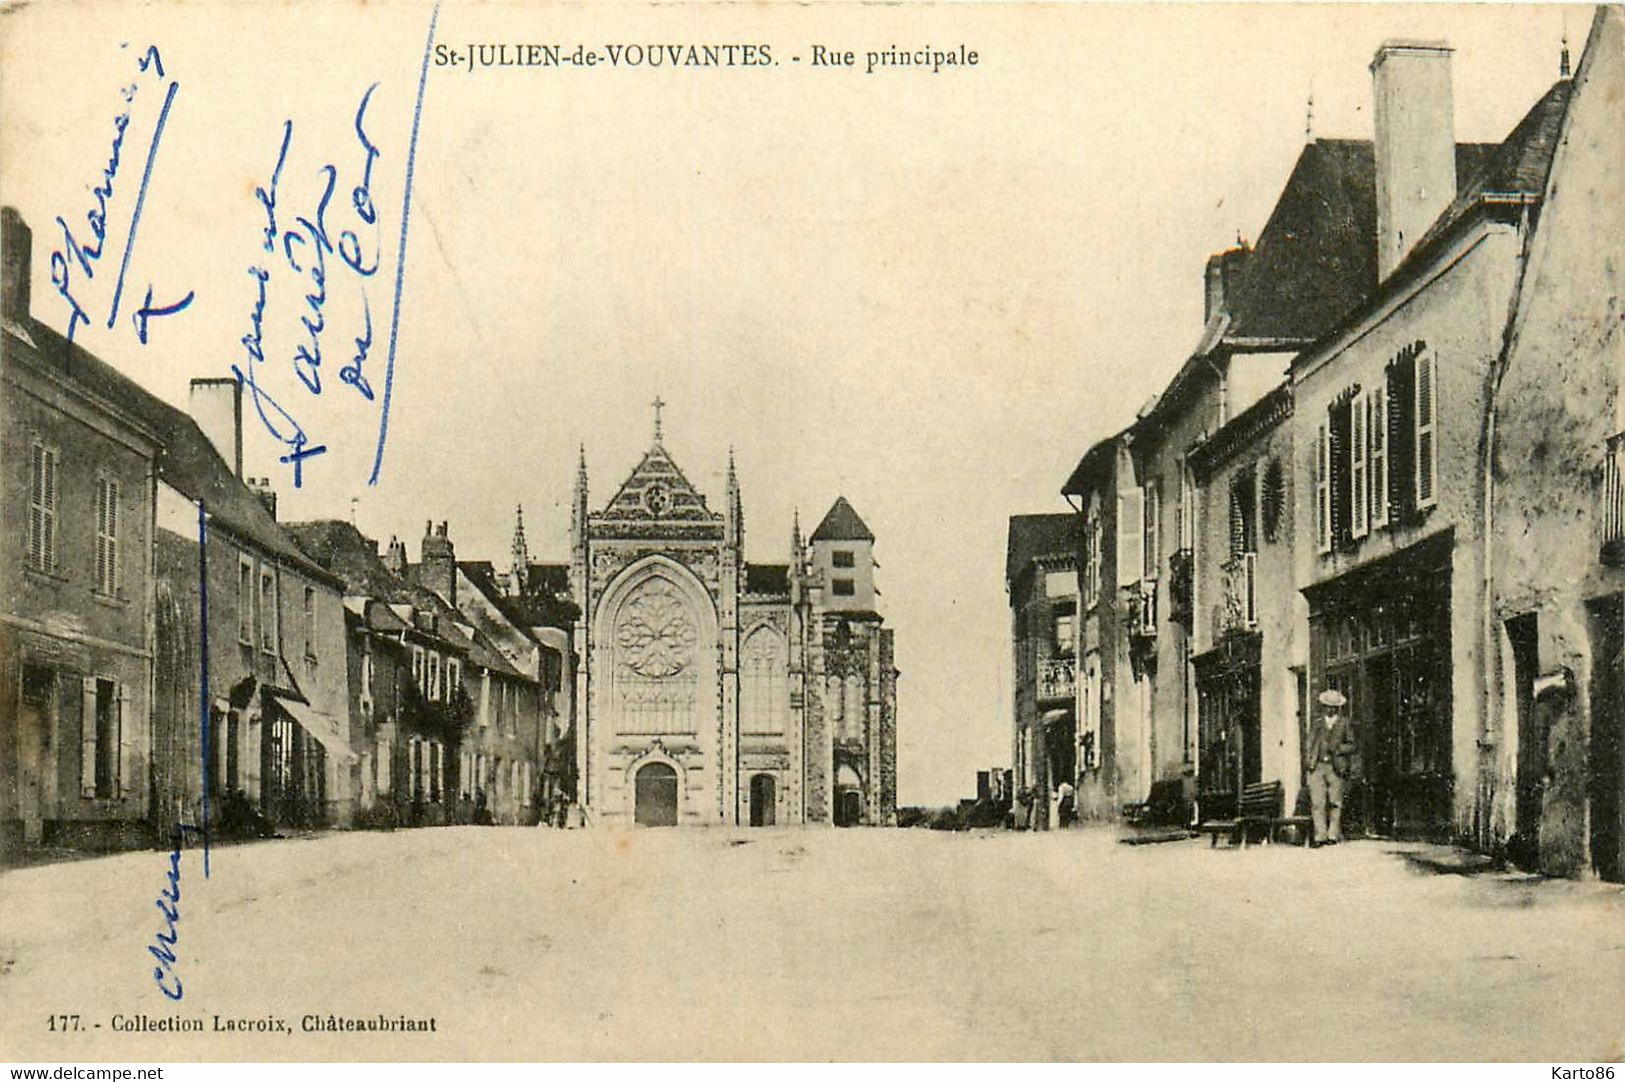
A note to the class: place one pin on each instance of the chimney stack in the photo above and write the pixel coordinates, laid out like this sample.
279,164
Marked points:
1223,271
262,490
437,567
16,257
216,404
395,558
1415,144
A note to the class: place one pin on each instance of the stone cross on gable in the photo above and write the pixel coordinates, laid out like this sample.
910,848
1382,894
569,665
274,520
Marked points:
658,405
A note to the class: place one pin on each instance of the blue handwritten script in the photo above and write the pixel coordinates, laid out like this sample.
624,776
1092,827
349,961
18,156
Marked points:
76,261
297,279
162,947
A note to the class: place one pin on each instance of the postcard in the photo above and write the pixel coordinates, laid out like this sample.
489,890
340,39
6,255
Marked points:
779,532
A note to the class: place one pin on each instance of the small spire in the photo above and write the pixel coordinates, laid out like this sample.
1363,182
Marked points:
1563,59
659,405
1309,118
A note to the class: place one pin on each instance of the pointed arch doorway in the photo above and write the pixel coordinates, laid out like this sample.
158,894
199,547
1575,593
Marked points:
656,796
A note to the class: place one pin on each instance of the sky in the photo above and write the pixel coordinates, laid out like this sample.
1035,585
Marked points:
927,292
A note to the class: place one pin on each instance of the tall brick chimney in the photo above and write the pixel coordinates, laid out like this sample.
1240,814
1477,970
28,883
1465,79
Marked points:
437,563
16,258
1415,145
216,404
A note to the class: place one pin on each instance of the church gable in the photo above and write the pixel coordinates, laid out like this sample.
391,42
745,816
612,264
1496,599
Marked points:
657,491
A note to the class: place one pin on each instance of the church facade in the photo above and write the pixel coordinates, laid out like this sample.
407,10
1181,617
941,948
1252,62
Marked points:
712,691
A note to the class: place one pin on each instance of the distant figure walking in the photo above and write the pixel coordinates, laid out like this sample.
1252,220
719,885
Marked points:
1066,804
1329,754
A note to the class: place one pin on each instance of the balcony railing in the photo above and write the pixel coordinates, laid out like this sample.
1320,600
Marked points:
1140,609
1057,678
1240,592
1613,502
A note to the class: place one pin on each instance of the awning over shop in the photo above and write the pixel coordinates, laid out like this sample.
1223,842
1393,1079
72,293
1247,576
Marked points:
323,726
1056,715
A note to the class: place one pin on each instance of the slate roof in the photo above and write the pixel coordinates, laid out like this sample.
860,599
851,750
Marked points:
842,523
1033,537
546,604
344,550
1519,165
354,557
187,462
1316,258
767,579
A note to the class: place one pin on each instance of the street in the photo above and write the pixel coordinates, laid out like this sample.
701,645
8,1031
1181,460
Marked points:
532,944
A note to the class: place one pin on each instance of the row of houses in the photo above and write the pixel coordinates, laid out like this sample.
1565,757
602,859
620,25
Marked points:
172,653
1390,467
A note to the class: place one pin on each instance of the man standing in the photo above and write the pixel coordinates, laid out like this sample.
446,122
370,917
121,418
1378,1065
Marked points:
1329,755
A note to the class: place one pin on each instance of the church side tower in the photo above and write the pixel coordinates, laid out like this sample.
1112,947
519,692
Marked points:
854,727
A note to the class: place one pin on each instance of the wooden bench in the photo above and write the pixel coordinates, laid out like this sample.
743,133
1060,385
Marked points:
1259,809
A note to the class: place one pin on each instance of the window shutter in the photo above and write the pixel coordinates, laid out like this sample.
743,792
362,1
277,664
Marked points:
1359,477
1377,429
1323,523
1238,518
36,506
112,537
1130,531
126,744
1427,448
87,744
1153,514
101,534
1401,405
50,510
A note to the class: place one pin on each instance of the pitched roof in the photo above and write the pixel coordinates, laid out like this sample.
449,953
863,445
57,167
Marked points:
344,550
767,579
1316,257
545,604
1099,454
842,523
188,462
1517,166
657,470
1034,537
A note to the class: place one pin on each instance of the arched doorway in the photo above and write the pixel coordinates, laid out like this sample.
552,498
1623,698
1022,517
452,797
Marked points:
763,801
848,797
656,805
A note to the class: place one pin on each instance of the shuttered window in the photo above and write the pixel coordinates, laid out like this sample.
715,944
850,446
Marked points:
1377,427
42,504
1153,514
107,524
1323,509
1130,539
1359,472
1427,447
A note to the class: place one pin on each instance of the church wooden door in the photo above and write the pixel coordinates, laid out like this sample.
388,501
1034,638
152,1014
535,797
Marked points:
656,796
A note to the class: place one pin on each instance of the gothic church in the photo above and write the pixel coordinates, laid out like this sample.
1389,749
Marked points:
710,690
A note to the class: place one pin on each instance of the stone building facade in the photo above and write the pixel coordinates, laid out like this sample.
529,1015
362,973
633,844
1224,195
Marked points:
715,691
77,489
1041,579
